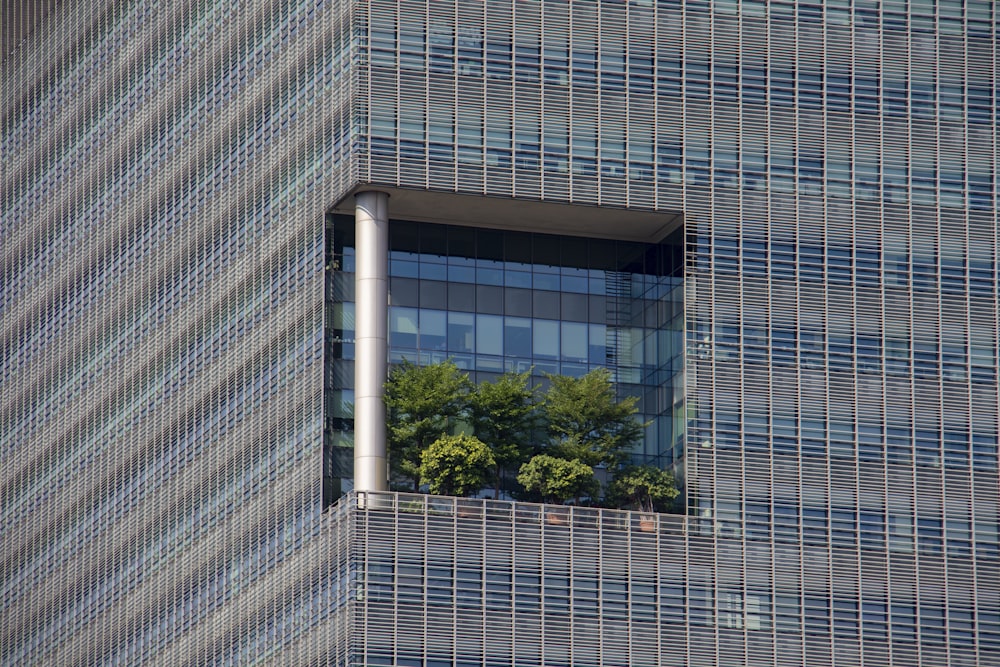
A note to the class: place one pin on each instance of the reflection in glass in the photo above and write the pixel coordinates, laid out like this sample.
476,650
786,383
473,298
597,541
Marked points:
403,327
517,337
574,341
433,329
489,334
461,332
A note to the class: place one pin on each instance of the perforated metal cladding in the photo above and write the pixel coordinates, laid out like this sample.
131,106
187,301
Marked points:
540,100
836,166
166,168
840,197
500,583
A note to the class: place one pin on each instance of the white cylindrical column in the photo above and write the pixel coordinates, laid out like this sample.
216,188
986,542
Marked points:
370,340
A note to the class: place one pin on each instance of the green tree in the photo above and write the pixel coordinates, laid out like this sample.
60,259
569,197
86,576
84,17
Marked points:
645,488
423,403
587,423
456,465
504,415
556,480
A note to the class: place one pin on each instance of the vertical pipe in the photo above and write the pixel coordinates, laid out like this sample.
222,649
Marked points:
370,347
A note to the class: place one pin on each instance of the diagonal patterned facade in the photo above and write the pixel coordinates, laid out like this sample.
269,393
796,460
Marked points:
169,171
166,168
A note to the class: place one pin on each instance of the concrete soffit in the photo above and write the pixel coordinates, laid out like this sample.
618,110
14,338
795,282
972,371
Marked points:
522,215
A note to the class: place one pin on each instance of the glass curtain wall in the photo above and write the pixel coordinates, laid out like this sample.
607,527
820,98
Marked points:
494,301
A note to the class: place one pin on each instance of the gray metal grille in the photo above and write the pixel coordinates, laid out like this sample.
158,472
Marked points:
493,582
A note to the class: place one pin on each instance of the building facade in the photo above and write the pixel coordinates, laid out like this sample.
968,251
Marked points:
776,222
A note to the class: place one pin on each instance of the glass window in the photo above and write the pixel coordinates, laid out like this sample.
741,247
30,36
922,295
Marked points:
575,306
461,272
517,301
433,293
574,341
489,272
546,339
597,348
343,317
517,337
545,304
403,327
403,291
461,331
814,524
489,299
433,271
461,297
545,281
433,329
489,334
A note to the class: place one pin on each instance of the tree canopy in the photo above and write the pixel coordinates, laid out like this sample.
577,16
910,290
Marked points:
586,421
423,402
458,438
456,465
504,415
556,480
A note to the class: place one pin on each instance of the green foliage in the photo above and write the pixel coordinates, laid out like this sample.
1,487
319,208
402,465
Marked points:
423,402
504,415
556,480
644,488
587,423
456,465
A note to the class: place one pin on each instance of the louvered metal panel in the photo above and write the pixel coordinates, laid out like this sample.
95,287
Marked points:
167,167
